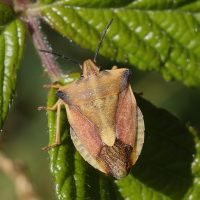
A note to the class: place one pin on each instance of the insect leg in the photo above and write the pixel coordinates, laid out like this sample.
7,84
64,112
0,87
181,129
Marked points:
50,108
52,86
56,106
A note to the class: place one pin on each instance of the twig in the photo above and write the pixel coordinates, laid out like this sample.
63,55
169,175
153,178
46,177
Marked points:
41,43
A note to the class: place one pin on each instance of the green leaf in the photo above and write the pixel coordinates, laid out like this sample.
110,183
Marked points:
11,51
151,35
163,5
6,15
167,169
88,3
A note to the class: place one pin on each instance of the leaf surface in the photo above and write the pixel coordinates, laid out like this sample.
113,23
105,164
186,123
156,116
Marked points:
6,15
151,35
12,36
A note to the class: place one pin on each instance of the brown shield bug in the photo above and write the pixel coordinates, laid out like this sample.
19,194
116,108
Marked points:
107,126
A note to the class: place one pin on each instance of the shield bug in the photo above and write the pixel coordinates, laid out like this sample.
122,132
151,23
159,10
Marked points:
107,126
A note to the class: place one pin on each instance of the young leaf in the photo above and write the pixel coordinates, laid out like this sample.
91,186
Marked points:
12,38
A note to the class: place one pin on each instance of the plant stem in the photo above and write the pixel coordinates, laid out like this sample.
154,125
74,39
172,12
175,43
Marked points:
41,43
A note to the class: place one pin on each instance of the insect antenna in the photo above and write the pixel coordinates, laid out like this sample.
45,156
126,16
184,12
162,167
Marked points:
101,40
62,56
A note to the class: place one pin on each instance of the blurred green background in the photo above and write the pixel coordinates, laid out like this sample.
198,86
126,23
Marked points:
25,131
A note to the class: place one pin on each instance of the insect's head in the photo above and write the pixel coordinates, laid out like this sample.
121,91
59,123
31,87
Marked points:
88,67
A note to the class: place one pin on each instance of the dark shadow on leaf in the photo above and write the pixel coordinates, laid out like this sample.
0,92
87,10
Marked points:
167,155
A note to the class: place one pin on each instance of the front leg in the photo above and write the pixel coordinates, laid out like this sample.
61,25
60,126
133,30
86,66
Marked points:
56,106
52,86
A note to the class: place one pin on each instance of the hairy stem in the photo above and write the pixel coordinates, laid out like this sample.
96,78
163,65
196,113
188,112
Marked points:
40,43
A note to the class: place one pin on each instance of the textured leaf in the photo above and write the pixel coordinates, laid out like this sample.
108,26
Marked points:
11,50
163,5
144,33
88,3
166,169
